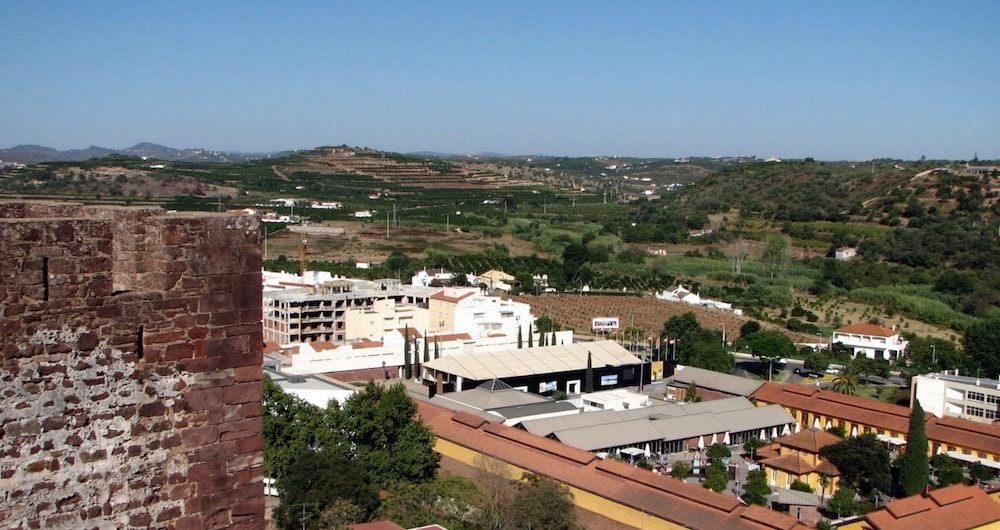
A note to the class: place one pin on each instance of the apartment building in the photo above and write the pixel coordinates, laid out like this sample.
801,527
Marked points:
945,394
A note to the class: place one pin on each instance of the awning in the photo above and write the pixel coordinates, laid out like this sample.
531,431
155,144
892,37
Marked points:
890,440
632,451
972,459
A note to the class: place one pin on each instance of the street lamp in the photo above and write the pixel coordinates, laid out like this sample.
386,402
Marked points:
723,324
933,355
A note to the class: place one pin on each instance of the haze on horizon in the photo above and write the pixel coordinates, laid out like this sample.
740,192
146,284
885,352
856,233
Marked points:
843,81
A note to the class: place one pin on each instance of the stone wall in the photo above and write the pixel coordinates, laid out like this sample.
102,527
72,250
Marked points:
130,370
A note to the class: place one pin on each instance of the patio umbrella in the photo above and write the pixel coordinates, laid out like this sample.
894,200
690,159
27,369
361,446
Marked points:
763,435
725,438
816,424
646,451
774,432
798,427
715,439
701,442
854,432
785,431
828,425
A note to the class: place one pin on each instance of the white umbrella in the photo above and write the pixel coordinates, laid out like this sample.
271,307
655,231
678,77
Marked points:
725,438
816,424
715,439
798,427
774,432
828,425
854,432
785,431
701,442
646,451
763,435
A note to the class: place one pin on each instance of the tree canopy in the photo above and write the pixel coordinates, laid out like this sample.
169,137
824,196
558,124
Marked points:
863,463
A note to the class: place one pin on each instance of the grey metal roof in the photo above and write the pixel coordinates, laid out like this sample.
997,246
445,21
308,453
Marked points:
636,430
534,409
546,426
484,399
730,384
480,366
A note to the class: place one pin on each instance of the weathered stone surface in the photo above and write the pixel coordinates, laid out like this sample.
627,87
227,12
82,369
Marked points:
130,376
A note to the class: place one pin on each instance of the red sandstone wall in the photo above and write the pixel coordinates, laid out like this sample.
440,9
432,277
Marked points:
130,370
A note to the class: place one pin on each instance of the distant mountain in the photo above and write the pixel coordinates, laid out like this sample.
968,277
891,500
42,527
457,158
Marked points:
34,154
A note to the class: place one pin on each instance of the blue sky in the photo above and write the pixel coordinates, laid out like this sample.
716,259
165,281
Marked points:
831,80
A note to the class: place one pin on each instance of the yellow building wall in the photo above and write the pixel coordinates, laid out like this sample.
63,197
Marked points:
582,498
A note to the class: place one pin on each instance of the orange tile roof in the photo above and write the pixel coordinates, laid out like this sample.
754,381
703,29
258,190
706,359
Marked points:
449,337
322,345
809,440
657,495
957,507
832,404
440,295
884,416
867,329
410,333
366,343
793,463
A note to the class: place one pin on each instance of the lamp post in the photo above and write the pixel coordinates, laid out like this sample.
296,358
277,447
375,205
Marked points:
723,324
933,355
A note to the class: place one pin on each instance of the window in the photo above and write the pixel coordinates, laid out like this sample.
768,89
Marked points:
975,396
991,398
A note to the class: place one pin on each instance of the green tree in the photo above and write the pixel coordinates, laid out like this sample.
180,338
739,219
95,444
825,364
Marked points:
427,348
710,356
842,503
531,334
770,347
863,463
981,340
774,255
798,485
340,514
948,471
448,501
846,382
718,451
691,393
520,339
384,436
757,491
314,480
680,470
716,479
914,468
407,359
290,426
588,385
543,504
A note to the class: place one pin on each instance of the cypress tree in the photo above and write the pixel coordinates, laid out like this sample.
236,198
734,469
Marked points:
407,368
416,359
520,342
531,341
427,348
588,385
914,466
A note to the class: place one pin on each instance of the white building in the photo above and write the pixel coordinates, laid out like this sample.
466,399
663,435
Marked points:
874,342
845,253
944,394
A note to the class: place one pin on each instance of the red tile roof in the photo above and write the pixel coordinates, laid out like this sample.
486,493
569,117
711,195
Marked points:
440,295
948,431
377,525
867,329
657,495
322,345
809,440
957,507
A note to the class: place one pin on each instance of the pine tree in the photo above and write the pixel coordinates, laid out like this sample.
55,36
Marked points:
588,385
914,466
